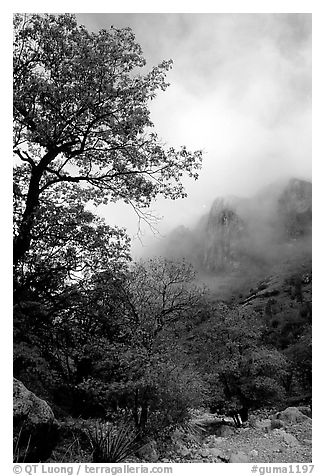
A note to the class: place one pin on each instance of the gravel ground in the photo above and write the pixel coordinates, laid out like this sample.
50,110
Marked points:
291,444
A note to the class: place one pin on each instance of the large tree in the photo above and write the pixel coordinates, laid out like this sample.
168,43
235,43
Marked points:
81,116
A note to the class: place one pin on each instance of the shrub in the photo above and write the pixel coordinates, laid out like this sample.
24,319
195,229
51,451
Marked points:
112,443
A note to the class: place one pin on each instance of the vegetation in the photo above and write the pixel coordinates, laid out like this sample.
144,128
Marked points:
95,334
81,117
112,444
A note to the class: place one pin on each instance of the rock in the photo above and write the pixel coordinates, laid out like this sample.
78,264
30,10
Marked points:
226,430
287,438
222,234
149,452
276,424
292,415
252,421
290,440
213,441
27,405
35,427
177,435
264,425
238,457
216,453
205,453
253,453
184,452
305,411
308,442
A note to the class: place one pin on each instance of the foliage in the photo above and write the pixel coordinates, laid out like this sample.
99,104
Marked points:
240,369
88,328
70,244
115,344
144,368
17,450
81,116
112,444
288,328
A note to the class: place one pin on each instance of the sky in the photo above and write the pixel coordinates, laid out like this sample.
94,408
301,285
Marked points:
240,90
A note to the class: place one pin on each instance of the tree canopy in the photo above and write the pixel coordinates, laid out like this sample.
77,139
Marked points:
81,115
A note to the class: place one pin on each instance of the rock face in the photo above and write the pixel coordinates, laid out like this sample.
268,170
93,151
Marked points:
295,208
35,427
223,233
241,232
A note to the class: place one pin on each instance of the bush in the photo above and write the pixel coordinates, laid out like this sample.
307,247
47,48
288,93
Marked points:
113,443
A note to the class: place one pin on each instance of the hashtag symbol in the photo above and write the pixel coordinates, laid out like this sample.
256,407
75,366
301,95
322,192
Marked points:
254,468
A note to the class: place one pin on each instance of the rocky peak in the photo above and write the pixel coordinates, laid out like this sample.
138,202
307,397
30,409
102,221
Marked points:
247,233
295,208
221,235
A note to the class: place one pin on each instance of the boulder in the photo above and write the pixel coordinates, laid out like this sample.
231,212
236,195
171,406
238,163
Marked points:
291,415
253,453
308,442
204,452
35,428
252,421
264,425
287,438
177,435
276,424
27,405
216,452
225,430
182,450
213,441
238,457
149,453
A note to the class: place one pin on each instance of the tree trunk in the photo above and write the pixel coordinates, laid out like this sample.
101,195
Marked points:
143,416
22,241
135,408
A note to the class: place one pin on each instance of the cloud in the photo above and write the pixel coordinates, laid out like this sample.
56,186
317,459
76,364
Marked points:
240,90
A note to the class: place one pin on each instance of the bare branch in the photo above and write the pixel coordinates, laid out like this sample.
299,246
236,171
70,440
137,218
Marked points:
25,157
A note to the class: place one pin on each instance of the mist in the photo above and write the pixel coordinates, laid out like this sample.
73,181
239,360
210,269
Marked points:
240,90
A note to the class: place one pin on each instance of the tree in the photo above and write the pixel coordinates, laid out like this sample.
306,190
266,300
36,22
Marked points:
159,293
69,244
109,339
81,116
157,301
56,301
241,369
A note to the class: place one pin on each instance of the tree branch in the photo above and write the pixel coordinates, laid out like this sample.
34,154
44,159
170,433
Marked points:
25,157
